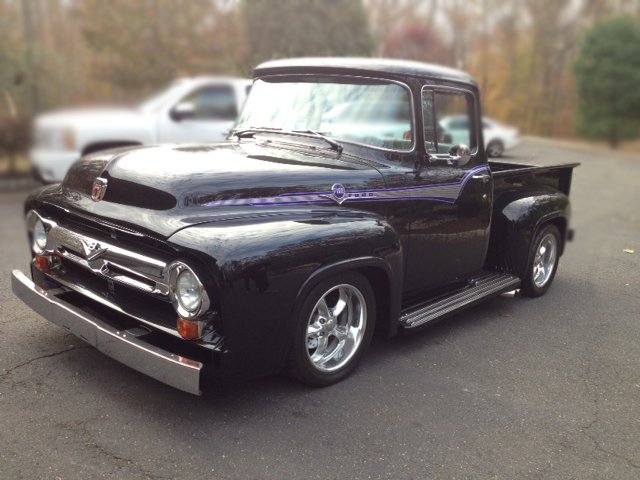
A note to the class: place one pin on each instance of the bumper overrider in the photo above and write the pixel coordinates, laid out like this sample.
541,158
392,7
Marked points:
126,346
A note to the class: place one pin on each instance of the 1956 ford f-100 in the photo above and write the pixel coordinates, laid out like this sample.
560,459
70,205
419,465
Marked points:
338,206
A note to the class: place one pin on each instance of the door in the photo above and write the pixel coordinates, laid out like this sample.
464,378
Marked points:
202,116
449,231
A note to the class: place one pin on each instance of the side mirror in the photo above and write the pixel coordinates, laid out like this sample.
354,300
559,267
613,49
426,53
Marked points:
182,111
461,154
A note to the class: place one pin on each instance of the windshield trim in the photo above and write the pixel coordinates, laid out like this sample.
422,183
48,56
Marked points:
363,77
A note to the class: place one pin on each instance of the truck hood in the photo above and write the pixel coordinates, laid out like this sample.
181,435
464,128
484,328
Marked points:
166,188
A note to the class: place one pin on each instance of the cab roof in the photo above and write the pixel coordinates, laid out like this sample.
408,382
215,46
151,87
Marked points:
351,65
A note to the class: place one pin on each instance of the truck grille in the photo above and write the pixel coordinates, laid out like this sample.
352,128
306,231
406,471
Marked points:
109,269
110,262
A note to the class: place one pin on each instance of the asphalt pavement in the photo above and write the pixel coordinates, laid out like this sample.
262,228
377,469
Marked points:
514,388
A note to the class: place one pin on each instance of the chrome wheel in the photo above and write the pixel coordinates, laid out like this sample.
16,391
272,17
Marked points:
336,327
544,261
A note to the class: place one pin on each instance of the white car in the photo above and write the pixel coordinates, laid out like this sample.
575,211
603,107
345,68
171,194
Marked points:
384,121
497,136
201,109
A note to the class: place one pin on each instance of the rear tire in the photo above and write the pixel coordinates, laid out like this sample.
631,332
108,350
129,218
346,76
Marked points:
542,263
334,327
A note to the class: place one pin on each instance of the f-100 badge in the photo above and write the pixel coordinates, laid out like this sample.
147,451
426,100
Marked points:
338,193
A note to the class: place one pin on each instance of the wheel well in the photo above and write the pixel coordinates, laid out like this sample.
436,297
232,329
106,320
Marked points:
510,244
382,291
97,147
561,225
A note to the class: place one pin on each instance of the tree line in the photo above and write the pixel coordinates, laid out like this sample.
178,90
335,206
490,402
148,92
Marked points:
523,53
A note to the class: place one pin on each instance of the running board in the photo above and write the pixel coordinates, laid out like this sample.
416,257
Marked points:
487,284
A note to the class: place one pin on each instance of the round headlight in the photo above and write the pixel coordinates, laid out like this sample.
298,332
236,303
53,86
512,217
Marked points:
39,237
188,291
187,295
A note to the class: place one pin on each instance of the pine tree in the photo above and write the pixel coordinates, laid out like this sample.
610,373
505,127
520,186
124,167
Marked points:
607,74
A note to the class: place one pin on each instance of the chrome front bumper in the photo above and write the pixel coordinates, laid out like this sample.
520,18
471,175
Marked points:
127,346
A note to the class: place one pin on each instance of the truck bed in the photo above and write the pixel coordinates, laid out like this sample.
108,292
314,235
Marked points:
509,176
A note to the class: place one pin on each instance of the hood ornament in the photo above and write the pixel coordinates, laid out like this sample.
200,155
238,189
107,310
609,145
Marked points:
99,189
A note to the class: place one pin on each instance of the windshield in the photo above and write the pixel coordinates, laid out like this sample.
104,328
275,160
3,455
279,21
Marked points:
370,112
157,101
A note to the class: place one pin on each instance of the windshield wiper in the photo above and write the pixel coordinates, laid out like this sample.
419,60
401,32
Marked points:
251,131
337,146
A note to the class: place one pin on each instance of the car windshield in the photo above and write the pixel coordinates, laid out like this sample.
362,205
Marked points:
370,112
155,102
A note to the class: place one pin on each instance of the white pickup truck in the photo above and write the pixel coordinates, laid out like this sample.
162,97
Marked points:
201,109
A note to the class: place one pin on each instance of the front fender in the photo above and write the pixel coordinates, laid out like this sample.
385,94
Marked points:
265,267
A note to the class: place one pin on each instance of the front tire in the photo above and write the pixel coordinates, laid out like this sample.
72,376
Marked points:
334,327
542,264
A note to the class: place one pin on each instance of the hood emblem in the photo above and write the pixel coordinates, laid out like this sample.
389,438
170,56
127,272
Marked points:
338,193
99,189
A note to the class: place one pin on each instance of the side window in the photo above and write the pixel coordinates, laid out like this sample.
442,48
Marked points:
448,118
213,103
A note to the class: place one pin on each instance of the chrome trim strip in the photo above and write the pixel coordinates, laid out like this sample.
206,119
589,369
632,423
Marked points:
443,192
127,347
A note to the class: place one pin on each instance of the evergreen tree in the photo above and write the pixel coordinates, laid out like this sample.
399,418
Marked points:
607,74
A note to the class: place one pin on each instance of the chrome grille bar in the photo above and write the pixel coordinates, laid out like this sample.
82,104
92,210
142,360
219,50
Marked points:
109,261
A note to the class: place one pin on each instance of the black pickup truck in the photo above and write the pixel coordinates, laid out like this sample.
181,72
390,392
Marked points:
339,206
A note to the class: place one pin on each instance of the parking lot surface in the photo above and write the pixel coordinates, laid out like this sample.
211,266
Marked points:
514,388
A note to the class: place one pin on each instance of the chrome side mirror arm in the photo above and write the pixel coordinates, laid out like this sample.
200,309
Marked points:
458,155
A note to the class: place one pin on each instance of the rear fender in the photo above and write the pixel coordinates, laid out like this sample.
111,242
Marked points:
516,219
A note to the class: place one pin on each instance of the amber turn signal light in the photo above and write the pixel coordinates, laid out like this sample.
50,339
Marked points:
189,329
44,263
